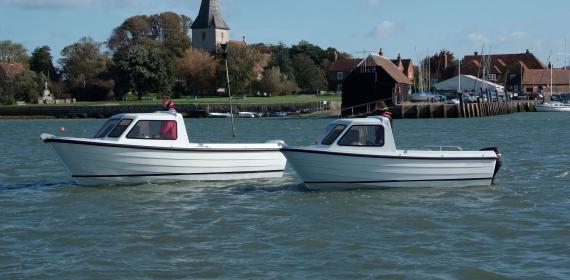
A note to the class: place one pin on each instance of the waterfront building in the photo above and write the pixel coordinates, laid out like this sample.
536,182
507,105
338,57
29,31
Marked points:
374,78
538,81
209,30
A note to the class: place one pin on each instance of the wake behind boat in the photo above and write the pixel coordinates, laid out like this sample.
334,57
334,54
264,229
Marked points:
141,148
361,153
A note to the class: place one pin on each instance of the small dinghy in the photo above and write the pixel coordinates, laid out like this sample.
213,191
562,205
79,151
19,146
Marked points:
154,148
361,153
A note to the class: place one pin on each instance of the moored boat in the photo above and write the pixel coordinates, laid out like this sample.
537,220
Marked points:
141,148
361,153
219,115
553,107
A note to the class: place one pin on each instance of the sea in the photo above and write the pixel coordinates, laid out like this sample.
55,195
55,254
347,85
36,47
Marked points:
517,228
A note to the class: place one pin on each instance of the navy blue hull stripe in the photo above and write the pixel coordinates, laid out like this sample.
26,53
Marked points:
88,143
286,150
174,174
397,181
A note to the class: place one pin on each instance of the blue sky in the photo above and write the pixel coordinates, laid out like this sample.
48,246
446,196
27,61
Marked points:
410,27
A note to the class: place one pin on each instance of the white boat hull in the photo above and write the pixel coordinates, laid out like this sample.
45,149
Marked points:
96,164
326,171
540,108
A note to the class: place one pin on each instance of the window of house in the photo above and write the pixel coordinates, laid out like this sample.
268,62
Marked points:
157,130
339,87
492,77
339,75
363,135
203,36
333,131
120,128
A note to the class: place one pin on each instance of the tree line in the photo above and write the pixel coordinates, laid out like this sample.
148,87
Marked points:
152,54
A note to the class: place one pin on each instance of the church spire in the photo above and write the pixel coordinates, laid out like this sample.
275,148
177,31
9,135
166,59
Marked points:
210,16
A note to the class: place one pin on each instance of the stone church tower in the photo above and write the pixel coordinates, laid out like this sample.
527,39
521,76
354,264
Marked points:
209,30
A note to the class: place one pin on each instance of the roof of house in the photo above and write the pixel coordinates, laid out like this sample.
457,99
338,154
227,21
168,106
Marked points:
499,62
12,69
344,65
210,16
542,77
388,66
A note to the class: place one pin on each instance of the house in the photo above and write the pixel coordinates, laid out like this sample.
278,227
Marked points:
499,66
375,78
406,66
341,68
11,70
209,30
534,81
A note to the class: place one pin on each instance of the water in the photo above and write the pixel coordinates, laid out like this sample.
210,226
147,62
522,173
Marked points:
518,228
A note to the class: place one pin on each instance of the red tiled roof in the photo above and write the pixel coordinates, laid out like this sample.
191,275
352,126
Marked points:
502,61
388,66
542,77
12,69
343,65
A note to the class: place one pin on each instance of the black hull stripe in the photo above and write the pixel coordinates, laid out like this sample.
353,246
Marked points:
382,156
88,143
174,174
398,181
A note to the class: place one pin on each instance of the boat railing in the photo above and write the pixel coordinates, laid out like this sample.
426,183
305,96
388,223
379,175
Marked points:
441,148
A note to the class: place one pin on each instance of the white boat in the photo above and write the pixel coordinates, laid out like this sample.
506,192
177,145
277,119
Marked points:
142,148
219,115
553,107
247,115
361,153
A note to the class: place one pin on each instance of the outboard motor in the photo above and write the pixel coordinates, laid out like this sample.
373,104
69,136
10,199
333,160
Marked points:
499,161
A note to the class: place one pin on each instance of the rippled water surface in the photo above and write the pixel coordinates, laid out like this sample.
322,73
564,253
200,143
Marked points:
518,228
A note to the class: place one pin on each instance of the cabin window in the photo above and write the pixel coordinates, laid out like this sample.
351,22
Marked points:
363,135
333,132
156,130
120,128
110,124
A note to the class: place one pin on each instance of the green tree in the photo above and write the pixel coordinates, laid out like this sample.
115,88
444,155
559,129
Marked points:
198,71
275,82
13,52
83,61
310,77
144,69
242,61
42,62
25,87
168,30
281,58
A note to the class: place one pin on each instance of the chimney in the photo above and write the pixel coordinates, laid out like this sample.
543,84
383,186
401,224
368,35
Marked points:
527,51
381,52
335,54
399,57
476,53
445,61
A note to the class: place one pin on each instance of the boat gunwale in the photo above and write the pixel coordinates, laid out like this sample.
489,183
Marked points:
300,150
117,145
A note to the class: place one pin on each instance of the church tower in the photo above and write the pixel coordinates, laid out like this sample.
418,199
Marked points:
209,30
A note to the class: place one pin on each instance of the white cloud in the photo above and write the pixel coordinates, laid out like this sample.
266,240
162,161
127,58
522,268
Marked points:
384,29
501,39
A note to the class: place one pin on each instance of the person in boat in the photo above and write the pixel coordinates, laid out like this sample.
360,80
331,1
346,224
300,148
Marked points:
383,110
168,128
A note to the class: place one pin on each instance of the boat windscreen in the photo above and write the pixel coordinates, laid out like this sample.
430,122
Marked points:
110,124
332,135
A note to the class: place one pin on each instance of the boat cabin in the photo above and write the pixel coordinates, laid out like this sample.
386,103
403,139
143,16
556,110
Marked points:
157,128
365,133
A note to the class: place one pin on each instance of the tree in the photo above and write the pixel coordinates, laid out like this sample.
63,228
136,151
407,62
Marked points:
281,58
25,87
309,76
143,69
41,62
198,70
168,30
274,81
241,63
83,62
13,52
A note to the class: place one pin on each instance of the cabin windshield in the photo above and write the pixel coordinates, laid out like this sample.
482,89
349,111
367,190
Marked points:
156,130
363,135
332,133
110,124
